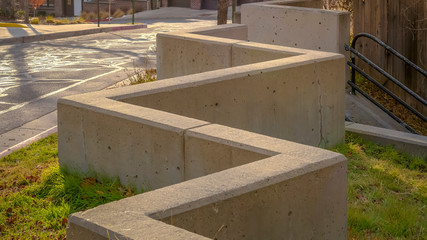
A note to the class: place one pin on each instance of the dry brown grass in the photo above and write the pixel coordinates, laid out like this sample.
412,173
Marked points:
392,105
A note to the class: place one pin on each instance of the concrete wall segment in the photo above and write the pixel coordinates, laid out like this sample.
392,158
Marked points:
230,31
301,27
301,3
101,103
194,195
181,52
70,132
240,102
123,143
142,156
256,214
257,143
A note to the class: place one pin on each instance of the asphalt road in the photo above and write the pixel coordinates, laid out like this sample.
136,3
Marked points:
34,75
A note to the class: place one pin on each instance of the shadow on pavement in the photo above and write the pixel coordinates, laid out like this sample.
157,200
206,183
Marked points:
17,32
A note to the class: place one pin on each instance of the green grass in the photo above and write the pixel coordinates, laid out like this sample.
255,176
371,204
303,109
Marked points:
387,192
36,197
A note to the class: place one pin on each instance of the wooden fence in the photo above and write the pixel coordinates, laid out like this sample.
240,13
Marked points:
402,24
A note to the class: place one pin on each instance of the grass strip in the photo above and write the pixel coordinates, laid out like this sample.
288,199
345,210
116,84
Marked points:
36,197
387,192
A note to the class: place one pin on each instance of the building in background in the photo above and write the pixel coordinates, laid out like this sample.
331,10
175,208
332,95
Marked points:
124,5
199,4
61,8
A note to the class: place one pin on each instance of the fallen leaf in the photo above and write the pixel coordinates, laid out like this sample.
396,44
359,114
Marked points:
64,222
9,210
91,180
11,220
129,193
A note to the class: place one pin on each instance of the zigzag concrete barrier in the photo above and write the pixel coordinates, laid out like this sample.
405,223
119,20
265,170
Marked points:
212,142
121,132
253,187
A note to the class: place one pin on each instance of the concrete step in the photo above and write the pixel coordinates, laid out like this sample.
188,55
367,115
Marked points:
361,110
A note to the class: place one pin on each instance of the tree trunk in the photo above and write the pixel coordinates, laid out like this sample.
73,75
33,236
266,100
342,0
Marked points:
233,10
26,12
222,12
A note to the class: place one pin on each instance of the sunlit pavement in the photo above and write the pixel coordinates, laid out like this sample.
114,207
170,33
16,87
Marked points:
34,75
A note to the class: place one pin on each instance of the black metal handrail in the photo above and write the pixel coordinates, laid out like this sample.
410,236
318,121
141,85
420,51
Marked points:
354,68
394,96
388,48
382,107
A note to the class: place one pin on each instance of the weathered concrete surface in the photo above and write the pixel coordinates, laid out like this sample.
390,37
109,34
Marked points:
230,31
300,24
190,130
137,133
407,142
185,54
255,94
262,199
142,147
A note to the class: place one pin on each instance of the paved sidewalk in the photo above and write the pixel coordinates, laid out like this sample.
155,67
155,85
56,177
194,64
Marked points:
46,125
14,35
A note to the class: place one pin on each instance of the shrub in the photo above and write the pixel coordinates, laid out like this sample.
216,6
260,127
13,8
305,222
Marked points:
20,14
41,13
91,16
141,74
58,22
76,20
118,13
65,21
84,15
50,19
129,12
34,20
103,14
61,21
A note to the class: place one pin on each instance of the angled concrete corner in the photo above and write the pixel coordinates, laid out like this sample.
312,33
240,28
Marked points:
260,199
313,80
122,144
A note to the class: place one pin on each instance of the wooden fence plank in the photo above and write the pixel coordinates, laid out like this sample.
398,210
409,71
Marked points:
402,24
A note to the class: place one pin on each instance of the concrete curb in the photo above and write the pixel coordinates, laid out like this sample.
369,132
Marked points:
407,142
50,36
27,142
